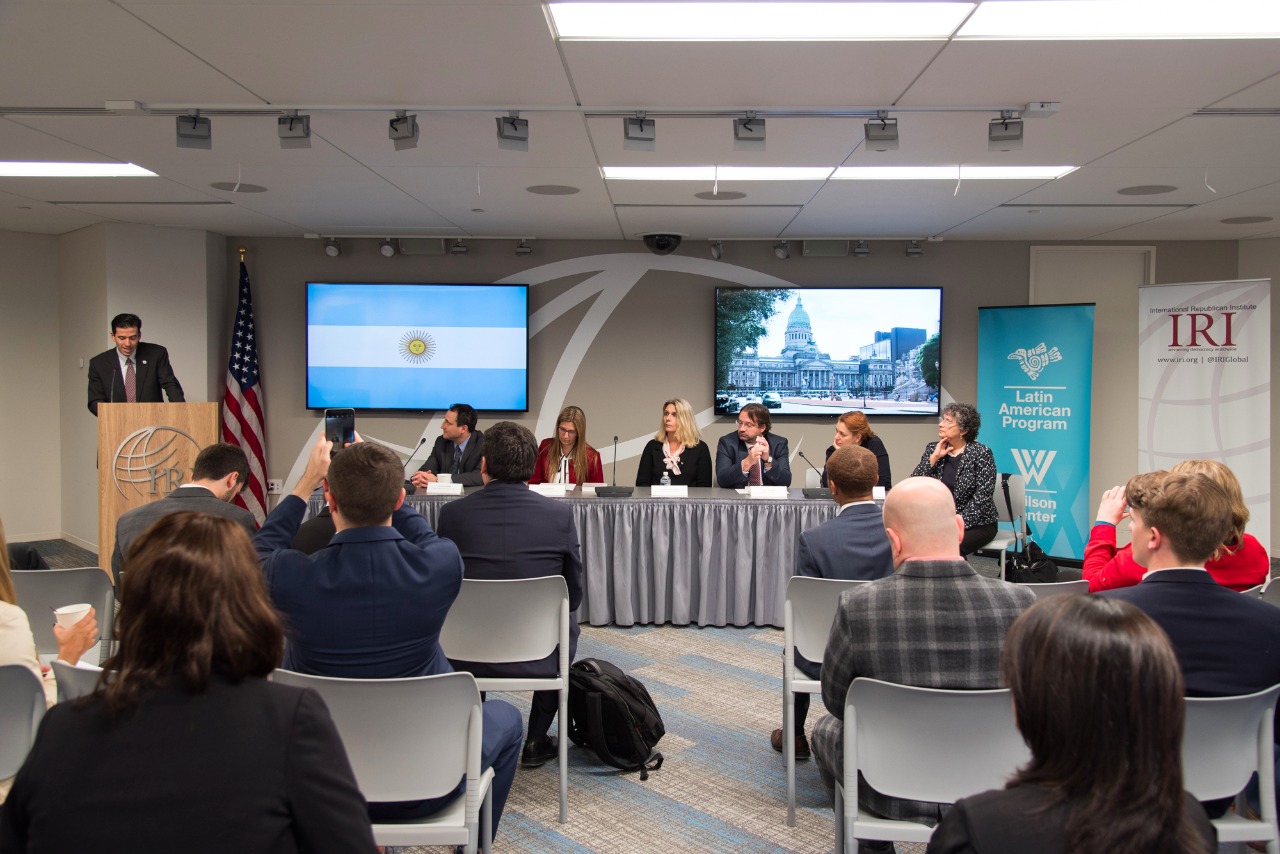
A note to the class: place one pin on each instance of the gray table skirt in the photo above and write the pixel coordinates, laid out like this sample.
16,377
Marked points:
712,559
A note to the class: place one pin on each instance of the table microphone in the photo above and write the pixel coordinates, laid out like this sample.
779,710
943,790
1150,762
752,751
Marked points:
813,492
408,484
614,491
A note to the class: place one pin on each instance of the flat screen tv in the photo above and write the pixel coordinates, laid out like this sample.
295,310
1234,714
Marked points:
417,346
823,351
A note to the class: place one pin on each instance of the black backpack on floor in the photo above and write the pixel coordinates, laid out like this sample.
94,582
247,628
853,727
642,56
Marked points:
612,714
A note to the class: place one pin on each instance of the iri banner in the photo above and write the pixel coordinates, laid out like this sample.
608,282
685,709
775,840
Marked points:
1204,383
1035,373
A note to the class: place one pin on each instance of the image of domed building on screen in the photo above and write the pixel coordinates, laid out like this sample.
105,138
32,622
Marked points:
884,369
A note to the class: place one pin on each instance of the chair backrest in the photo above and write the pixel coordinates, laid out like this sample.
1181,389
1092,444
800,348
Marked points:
74,682
811,606
508,620
407,739
1222,739
1055,588
22,705
40,590
1271,592
1256,591
1017,499
930,744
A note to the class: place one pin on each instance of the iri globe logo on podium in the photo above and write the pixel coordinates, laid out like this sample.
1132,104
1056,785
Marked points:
153,460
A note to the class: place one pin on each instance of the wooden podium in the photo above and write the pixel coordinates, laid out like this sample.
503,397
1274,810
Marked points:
145,451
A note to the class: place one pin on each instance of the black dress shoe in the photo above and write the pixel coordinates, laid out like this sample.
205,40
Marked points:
539,751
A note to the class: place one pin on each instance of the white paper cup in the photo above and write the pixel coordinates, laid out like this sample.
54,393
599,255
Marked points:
69,615
444,478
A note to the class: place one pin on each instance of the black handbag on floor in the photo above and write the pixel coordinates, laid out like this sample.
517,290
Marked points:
1028,564
613,714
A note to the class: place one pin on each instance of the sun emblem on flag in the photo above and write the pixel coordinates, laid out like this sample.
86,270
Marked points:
417,347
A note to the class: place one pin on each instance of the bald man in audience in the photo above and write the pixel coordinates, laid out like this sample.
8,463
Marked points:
851,546
935,623
1227,643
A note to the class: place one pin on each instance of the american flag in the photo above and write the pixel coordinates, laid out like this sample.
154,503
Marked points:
243,422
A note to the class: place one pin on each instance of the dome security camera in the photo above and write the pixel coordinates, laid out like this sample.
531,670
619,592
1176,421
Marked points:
662,244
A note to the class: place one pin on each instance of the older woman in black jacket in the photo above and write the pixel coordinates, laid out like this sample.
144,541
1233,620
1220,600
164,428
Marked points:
968,469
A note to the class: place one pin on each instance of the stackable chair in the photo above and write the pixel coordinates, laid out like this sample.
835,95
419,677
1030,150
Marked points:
808,612
74,682
506,621
22,705
409,740
42,590
1056,588
1013,513
1271,592
924,744
1225,740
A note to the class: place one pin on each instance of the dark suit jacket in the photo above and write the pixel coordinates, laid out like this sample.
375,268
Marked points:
315,533
441,459
371,605
507,531
731,451
152,373
131,525
695,465
253,766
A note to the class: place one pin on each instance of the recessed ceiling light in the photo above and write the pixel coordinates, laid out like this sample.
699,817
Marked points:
1146,190
237,187
723,196
552,190
1123,19
951,173
714,173
757,21
1245,220
23,169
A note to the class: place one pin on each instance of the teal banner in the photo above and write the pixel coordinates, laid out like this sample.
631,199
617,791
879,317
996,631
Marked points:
1035,372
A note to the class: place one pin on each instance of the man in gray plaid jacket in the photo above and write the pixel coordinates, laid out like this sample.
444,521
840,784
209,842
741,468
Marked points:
934,623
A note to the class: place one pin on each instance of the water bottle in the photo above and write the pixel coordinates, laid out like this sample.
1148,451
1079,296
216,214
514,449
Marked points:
666,478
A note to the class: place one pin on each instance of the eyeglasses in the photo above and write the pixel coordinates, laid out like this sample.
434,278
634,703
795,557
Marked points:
742,423
568,432
947,422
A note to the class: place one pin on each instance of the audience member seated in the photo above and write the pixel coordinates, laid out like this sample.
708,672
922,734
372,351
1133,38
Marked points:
189,745
753,456
1098,699
507,531
568,459
372,605
968,469
676,450
25,556
935,623
1240,562
853,545
456,451
18,645
852,429
1227,644
219,473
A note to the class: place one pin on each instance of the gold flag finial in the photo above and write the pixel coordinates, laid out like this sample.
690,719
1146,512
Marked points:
242,252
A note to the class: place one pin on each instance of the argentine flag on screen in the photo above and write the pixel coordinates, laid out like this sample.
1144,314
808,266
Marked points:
417,346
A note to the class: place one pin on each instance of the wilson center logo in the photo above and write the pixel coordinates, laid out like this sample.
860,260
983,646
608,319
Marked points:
1033,465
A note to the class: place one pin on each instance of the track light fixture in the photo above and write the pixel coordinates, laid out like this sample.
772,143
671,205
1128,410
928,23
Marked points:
403,131
914,250
748,133
459,248
523,248
881,132
861,249
638,133
1004,133
294,130
331,247
782,249
387,248
717,249
195,131
513,132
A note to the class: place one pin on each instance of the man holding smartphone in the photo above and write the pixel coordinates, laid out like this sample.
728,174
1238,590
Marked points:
457,452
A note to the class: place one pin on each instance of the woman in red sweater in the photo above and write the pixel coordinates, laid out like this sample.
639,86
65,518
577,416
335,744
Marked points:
1239,563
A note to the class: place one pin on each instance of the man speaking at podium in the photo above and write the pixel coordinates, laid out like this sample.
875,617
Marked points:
131,371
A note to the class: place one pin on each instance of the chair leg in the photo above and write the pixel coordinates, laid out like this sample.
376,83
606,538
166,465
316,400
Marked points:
789,751
564,752
486,821
838,808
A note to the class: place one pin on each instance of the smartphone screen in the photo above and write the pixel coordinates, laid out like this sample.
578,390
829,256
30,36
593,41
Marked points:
340,427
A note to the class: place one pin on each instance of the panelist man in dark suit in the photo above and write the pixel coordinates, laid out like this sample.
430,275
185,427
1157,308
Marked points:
1227,643
109,372
851,546
506,531
457,451
218,475
371,604
752,455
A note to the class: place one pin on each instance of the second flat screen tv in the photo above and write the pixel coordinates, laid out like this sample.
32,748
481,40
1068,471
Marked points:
824,351
417,346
